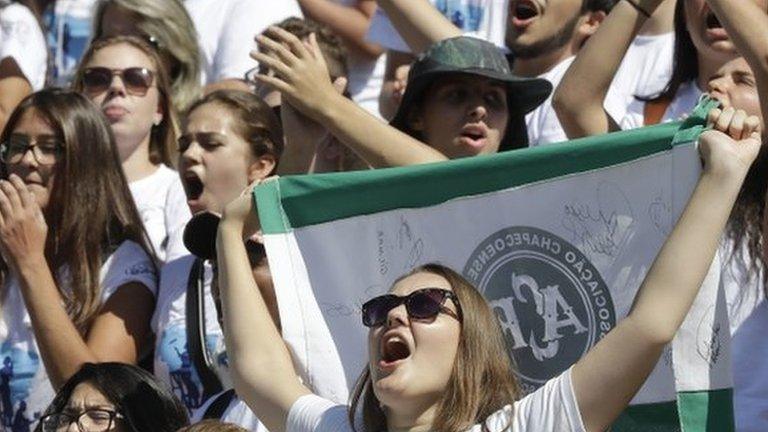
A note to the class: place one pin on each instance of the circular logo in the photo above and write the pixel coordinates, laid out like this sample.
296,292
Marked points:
551,302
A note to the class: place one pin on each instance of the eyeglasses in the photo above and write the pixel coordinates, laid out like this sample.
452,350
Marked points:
45,149
92,420
137,80
421,304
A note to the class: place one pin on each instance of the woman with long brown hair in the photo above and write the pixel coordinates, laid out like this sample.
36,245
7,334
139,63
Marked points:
126,78
78,282
435,360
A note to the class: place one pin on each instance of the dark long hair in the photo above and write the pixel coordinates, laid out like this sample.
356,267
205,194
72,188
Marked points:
146,405
483,379
91,210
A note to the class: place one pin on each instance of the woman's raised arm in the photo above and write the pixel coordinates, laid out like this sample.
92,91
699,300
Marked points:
578,100
302,78
261,366
607,378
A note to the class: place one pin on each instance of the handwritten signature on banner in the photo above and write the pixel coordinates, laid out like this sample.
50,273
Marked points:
603,226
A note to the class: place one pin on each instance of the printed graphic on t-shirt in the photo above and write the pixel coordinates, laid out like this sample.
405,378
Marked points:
173,351
466,15
68,45
16,375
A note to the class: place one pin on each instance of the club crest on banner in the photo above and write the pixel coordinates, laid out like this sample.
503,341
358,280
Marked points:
551,302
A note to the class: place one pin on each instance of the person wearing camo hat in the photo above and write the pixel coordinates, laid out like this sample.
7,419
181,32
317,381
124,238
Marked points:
462,100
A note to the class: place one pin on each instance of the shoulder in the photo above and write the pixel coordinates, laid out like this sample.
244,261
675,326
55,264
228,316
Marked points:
128,263
314,413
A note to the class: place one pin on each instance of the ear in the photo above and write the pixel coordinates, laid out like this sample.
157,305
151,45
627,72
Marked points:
591,23
158,117
261,167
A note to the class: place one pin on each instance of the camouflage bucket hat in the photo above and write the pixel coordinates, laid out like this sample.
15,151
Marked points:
471,56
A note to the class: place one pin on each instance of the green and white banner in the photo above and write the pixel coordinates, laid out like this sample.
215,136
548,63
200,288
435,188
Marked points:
557,238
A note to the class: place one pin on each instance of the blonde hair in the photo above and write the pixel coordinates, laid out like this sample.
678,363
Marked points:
162,144
166,24
483,379
212,426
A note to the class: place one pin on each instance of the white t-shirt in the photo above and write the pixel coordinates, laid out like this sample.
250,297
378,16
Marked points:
551,408
22,40
748,316
687,97
237,412
645,70
485,19
226,30
162,205
25,390
173,363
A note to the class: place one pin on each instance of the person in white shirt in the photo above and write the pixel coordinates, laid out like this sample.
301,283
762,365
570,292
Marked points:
126,79
78,280
742,83
225,31
436,356
543,39
702,47
231,138
23,56
167,26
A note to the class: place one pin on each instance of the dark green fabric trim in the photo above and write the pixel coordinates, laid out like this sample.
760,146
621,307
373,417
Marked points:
658,417
314,199
710,411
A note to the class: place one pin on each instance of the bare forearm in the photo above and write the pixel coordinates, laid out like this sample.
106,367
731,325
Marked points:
262,369
578,100
418,22
376,142
61,346
349,22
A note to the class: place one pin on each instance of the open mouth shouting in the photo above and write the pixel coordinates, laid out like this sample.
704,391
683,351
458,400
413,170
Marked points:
523,13
714,29
394,350
193,187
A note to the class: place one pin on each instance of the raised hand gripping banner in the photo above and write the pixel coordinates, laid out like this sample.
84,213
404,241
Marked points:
557,238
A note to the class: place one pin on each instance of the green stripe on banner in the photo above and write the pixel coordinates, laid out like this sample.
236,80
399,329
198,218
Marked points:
657,417
710,411
314,199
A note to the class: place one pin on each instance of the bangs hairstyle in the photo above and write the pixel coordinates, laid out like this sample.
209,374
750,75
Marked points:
162,144
483,379
254,120
145,404
168,24
91,210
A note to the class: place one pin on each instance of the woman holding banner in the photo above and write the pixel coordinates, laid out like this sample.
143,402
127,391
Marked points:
436,360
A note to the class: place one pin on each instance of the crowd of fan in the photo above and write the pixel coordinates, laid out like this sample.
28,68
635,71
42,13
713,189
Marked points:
123,118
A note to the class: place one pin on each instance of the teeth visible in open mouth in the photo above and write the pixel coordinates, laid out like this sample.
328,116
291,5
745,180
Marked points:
713,22
525,10
395,349
193,186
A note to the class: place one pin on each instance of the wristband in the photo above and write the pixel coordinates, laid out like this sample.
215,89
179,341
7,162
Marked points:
638,8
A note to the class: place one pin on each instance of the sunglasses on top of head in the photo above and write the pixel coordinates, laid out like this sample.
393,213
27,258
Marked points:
421,304
136,80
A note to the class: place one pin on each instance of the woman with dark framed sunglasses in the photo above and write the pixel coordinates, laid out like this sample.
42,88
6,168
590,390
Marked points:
113,397
436,354
125,77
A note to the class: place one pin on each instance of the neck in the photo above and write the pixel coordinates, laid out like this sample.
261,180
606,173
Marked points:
535,66
411,418
135,162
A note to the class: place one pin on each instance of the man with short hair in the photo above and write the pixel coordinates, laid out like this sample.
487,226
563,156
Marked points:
543,37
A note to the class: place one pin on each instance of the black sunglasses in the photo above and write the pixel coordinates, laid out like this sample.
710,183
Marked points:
421,304
136,80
